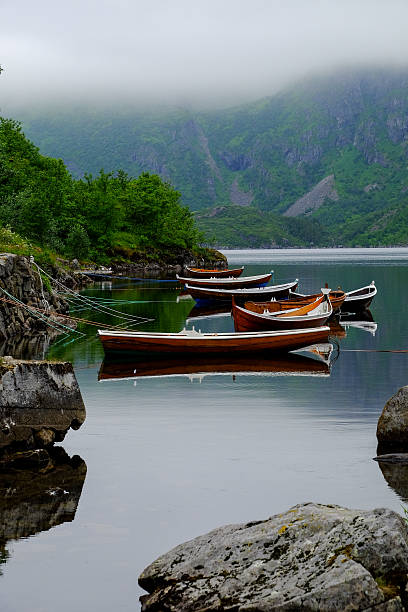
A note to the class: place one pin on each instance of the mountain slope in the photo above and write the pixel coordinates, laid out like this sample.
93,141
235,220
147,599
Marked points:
349,130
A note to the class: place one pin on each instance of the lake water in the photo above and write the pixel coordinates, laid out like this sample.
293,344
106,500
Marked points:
171,457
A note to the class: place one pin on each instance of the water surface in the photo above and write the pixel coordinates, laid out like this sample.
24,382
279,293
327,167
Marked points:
170,457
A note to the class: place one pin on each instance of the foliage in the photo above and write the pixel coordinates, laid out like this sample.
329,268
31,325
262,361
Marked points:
244,227
86,217
352,126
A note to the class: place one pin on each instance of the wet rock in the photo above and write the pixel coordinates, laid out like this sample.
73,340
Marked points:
312,557
20,279
39,402
392,428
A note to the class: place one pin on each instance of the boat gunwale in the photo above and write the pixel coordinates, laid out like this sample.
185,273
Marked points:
267,289
210,336
371,291
228,279
282,315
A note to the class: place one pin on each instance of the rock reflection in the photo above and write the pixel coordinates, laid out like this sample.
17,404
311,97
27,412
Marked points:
317,364
38,490
396,476
29,346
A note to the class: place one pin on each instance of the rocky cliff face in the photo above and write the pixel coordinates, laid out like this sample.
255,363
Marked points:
19,279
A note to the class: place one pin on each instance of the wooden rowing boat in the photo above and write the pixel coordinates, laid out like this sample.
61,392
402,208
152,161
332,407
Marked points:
311,315
194,342
296,300
256,294
227,283
205,273
260,365
359,299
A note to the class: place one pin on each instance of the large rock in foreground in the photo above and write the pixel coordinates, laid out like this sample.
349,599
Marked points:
312,557
392,428
39,402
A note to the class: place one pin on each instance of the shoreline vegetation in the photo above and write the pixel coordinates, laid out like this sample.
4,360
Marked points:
111,219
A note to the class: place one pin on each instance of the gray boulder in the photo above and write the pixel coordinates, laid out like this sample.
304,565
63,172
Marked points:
39,402
312,557
392,428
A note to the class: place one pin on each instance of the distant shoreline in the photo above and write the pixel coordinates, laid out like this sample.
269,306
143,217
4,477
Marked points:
300,255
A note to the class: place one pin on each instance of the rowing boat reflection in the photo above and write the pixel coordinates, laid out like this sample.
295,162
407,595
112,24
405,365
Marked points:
314,361
362,320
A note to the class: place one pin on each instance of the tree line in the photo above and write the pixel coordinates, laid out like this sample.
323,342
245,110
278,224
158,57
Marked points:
92,217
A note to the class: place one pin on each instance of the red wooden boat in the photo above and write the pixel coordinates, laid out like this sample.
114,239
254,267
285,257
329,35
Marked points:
256,294
195,342
258,319
227,283
204,273
295,300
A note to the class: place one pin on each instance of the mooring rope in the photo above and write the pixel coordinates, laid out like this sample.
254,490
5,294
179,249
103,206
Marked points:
37,313
132,278
91,304
374,350
16,302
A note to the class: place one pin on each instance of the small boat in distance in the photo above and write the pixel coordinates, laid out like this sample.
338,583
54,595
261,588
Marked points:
204,273
359,299
227,283
255,294
195,342
258,318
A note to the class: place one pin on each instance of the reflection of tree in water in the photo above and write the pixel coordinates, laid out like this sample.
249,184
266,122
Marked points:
38,495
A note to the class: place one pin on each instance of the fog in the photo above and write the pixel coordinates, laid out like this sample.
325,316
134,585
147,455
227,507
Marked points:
186,52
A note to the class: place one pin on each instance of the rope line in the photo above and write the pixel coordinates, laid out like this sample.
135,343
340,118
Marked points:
103,309
374,350
37,313
132,278
14,301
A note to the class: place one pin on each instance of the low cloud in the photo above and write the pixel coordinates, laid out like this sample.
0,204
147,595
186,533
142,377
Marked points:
186,52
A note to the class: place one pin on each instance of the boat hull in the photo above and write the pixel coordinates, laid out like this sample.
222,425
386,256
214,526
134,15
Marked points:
196,343
227,283
360,299
202,273
256,294
246,321
296,301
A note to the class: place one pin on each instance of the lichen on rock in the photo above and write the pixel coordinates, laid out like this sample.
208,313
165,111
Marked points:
312,557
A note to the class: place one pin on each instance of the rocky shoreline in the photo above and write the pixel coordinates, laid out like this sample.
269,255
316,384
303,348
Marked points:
171,264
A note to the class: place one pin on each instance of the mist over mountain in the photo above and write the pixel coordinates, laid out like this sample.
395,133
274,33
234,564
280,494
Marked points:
330,152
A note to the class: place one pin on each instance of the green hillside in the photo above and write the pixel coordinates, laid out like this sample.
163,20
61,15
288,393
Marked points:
107,218
341,139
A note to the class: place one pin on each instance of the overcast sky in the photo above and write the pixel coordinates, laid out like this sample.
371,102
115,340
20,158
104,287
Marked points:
194,52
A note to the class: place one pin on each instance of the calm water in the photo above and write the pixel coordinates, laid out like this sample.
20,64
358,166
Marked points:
169,458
